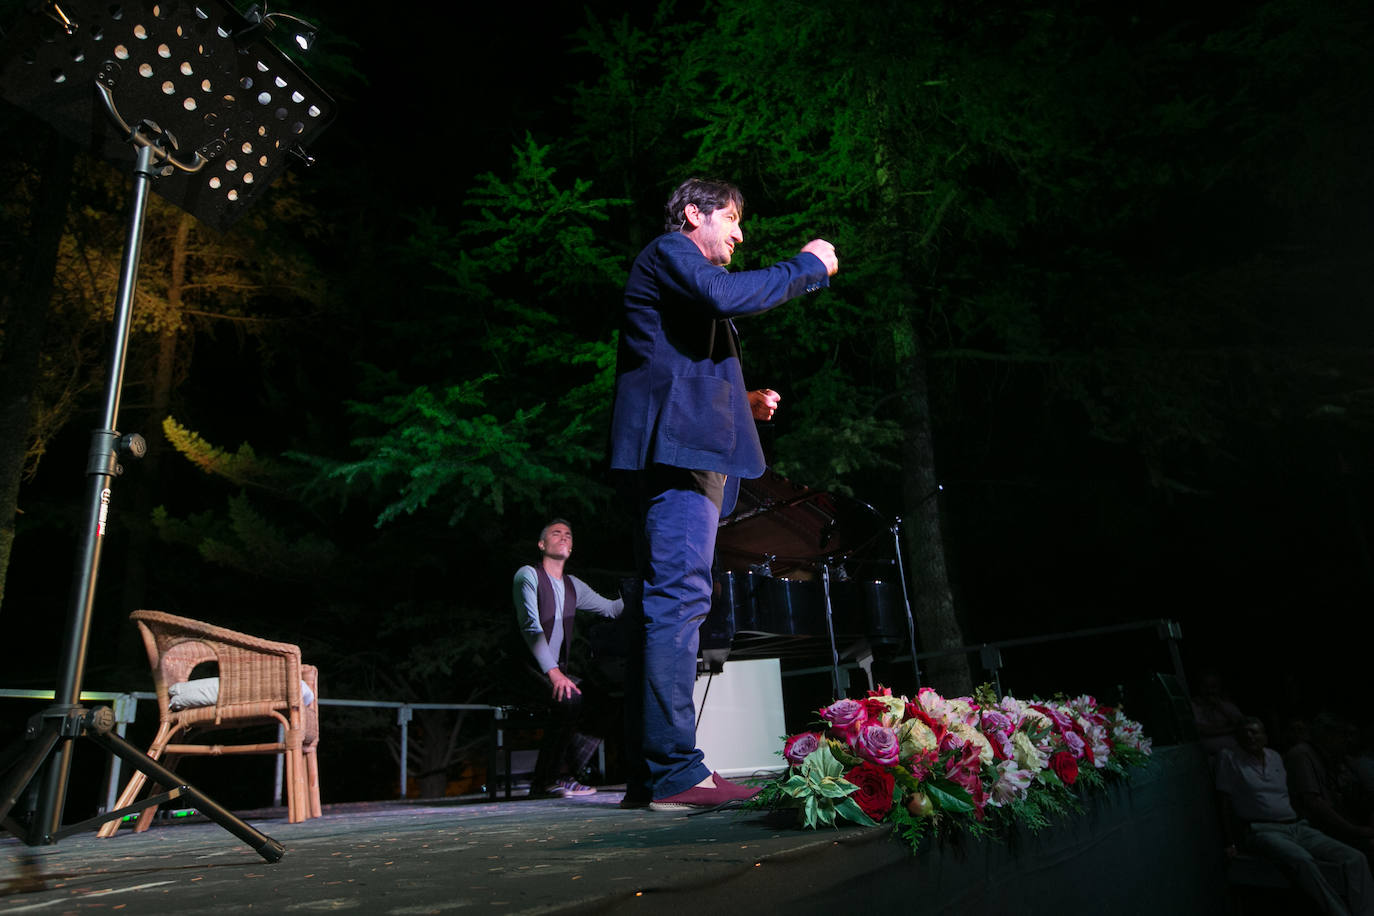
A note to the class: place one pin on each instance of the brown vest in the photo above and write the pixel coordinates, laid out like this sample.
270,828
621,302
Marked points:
547,609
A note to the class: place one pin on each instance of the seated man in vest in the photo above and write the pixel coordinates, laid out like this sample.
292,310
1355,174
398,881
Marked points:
545,604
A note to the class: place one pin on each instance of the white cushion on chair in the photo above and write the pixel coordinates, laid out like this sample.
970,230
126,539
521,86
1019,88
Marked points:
204,691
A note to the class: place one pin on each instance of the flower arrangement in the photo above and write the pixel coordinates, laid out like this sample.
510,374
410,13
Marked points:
980,761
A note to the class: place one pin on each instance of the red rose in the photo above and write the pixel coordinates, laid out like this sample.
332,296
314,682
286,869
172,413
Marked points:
874,709
875,789
1065,766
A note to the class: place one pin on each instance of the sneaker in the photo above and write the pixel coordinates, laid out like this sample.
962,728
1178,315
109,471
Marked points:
570,787
554,791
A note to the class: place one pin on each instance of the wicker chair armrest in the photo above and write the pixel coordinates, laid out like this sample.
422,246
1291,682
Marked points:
251,670
173,626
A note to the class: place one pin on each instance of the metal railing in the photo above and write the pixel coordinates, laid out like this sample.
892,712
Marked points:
989,654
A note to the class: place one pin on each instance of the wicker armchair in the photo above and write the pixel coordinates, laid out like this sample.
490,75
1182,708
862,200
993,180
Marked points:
260,683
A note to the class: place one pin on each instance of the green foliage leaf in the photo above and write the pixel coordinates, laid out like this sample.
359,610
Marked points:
818,786
948,796
850,810
243,467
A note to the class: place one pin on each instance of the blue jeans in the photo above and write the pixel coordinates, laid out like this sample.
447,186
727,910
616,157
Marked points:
677,515
1299,848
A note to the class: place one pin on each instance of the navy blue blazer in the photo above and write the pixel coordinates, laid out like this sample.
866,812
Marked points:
680,398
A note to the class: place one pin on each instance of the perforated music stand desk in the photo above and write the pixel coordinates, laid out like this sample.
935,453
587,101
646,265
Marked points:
200,71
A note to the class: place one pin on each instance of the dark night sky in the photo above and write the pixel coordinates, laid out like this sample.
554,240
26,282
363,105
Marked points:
448,98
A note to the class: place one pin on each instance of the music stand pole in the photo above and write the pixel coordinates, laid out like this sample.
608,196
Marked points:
101,467
896,530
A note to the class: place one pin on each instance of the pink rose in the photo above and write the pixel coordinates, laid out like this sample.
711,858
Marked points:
878,744
799,747
843,714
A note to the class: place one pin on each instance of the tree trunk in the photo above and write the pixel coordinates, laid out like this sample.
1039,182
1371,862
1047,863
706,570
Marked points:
25,312
937,625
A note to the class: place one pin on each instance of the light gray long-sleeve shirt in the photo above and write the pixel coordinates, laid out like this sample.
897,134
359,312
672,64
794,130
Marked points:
526,594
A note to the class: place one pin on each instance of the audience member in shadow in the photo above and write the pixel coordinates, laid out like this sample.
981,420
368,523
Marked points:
1295,731
1290,704
1363,755
1215,716
1324,786
1261,821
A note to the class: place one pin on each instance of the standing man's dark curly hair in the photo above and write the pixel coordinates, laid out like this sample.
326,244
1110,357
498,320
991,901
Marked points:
709,194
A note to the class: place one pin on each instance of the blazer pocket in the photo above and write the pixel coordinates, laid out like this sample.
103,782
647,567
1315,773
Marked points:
700,414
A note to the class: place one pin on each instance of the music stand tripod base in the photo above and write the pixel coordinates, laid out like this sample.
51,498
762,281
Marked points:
56,723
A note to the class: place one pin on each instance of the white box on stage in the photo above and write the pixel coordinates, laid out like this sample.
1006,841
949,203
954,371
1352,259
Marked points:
740,723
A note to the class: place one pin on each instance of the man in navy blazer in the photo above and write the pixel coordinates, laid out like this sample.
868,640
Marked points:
682,426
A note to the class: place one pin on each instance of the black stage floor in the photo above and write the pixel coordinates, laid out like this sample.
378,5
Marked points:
522,856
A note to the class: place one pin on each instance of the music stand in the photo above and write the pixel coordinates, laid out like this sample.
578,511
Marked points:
896,530
208,75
